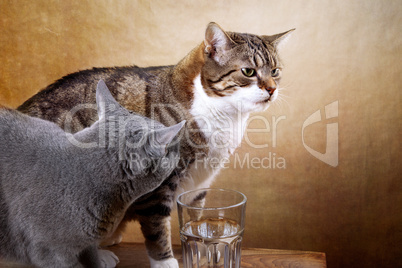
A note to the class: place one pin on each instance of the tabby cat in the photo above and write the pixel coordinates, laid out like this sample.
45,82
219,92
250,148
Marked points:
60,193
215,88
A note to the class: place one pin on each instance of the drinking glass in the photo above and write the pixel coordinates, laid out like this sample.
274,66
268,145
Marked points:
211,227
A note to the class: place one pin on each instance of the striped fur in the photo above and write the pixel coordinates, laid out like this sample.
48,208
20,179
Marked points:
207,88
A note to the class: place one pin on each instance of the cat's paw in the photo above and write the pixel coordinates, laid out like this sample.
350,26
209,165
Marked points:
108,259
168,263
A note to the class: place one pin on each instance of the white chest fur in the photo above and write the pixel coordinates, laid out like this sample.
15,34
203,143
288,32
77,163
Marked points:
223,123
221,120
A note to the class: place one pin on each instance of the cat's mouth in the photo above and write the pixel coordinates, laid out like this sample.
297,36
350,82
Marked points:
270,98
266,100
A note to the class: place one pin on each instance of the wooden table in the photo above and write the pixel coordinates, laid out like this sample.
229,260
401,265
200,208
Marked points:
133,255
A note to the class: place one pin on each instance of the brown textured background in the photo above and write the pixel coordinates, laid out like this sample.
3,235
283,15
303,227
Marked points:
345,51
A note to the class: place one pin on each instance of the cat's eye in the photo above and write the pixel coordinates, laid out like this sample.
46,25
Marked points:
248,72
275,72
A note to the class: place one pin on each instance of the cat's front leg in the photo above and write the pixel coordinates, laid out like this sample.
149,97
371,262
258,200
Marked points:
156,230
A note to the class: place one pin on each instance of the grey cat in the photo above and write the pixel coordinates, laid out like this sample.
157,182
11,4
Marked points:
60,193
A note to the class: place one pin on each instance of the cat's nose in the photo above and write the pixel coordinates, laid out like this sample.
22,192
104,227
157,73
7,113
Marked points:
271,90
269,86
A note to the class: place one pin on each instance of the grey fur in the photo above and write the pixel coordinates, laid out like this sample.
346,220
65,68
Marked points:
57,199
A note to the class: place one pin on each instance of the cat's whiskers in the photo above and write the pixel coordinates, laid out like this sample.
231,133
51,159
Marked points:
281,99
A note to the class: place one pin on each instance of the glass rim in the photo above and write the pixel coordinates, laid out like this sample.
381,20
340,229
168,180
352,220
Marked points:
242,202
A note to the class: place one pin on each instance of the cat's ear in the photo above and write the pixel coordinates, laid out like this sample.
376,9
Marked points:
104,99
164,136
216,41
278,40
